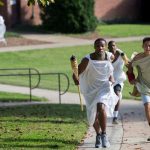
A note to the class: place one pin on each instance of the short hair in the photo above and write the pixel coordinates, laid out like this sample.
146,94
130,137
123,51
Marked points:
110,42
146,39
99,40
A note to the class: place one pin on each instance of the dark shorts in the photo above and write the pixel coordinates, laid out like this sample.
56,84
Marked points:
117,88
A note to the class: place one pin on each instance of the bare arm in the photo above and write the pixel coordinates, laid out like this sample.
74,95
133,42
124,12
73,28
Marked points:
112,57
82,66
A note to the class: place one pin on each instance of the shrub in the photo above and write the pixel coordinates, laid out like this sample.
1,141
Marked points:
69,16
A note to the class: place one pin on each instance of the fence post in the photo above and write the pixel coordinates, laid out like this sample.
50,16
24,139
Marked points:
30,84
59,88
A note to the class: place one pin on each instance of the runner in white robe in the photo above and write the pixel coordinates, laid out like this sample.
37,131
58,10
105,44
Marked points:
119,75
95,73
96,88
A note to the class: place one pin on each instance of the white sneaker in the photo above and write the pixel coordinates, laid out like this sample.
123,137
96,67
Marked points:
98,142
105,141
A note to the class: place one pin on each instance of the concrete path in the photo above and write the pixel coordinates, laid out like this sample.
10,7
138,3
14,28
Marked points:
130,134
60,41
51,96
132,131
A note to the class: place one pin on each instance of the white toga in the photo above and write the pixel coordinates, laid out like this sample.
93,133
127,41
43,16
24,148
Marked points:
96,88
119,74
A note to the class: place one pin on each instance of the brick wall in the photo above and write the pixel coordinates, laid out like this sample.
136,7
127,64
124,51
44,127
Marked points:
29,14
117,10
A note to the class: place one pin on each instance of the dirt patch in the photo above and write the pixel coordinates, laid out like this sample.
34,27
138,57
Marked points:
17,41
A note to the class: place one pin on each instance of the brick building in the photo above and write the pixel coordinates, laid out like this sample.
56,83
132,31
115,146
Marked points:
118,10
17,11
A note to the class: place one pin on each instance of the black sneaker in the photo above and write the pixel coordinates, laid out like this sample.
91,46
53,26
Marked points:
148,139
98,141
115,121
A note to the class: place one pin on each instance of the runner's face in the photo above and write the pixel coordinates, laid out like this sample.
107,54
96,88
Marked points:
112,47
146,47
100,47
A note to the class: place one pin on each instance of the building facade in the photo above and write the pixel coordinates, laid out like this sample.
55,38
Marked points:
118,10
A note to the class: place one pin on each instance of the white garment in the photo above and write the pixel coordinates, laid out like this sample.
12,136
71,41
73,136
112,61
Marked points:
96,88
119,74
109,55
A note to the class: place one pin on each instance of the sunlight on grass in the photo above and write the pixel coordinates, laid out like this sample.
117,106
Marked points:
123,30
42,126
56,60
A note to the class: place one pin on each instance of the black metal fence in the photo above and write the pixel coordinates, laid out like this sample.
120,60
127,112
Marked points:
38,74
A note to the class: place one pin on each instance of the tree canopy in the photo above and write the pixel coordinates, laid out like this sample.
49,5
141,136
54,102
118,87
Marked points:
32,2
40,2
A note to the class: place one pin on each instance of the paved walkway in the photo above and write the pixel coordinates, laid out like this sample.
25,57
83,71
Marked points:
60,41
132,131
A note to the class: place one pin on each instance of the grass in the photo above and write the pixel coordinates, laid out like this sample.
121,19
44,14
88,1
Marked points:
12,34
16,97
48,126
102,30
54,60
123,30
116,30
42,127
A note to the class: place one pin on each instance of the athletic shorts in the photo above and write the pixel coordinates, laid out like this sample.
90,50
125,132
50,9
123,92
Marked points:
145,98
117,88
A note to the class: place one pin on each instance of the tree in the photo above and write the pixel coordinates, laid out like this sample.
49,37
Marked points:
69,16
1,3
32,2
40,2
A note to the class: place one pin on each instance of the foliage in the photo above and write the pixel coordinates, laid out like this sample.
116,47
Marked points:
1,3
40,2
69,16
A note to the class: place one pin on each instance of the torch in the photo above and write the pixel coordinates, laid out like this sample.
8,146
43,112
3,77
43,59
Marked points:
125,58
74,65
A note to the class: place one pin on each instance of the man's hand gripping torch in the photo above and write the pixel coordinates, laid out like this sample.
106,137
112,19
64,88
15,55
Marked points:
74,66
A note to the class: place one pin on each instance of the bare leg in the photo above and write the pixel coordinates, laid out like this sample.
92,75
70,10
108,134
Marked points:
96,126
147,111
102,116
117,106
116,109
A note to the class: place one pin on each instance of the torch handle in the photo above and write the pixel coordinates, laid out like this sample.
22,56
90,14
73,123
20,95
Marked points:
80,98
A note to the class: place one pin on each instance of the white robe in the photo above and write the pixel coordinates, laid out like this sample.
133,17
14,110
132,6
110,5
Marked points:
118,73
96,88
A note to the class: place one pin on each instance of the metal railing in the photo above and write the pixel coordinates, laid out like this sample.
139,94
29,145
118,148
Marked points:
30,74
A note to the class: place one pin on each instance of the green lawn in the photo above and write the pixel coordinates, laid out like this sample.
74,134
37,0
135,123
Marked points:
48,126
42,127
54,60
17,97
116,30
123,30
